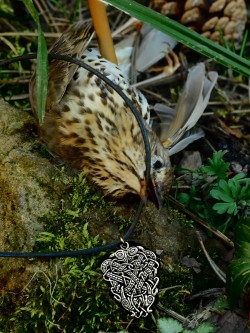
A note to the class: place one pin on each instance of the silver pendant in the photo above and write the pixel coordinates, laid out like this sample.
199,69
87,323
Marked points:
132,274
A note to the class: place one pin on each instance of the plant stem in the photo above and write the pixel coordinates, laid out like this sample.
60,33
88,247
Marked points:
102,29
217,233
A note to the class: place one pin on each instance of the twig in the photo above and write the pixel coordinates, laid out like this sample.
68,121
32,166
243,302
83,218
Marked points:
221,275
29,34
232,102
13,49
42,11
131,321
231,112
17,97
7,23
48,12
9,44
161,291
173,314
14,81
63,20
210,145
214,103
212,292
11,71
156,96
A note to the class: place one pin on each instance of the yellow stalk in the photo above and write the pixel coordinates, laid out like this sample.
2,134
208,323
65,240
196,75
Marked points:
102,29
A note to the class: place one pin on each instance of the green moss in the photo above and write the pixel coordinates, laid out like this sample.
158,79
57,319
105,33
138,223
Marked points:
68,295
180,285
65,288
176,215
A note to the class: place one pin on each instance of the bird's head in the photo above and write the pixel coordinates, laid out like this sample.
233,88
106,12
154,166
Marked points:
122,170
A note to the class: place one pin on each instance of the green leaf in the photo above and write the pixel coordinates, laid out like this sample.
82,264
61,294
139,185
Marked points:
242,232
235,187
32,10
221,304
227,207
225,187
242,241
232,209
42,63
45,236
244,43
217,194
224,225
204,328
238,272
169,325
184,35
226,198
240,176
218,155
244,192
243,249
184,198
238,277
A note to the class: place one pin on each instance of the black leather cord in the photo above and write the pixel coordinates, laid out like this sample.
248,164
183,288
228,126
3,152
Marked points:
147,173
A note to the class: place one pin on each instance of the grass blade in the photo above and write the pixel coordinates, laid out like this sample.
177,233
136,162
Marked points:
42,63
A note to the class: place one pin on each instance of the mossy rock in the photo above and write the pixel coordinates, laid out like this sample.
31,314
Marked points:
27,191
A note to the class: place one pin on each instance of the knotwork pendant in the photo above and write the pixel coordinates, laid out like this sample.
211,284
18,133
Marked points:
132,274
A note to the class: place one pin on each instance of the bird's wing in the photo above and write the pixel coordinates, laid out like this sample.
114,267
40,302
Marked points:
191,104
73,42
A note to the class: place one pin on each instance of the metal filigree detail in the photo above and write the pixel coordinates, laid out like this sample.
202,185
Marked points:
132,273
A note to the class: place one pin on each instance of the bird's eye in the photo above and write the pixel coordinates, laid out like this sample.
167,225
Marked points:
157,165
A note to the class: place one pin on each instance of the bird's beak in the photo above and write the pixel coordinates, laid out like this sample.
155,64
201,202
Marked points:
153,192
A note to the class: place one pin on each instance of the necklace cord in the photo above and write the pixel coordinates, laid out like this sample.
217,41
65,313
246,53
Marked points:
147,161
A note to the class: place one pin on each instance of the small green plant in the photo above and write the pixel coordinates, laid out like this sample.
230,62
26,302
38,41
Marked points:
169,325
238,272
234,195
220,200
216,166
